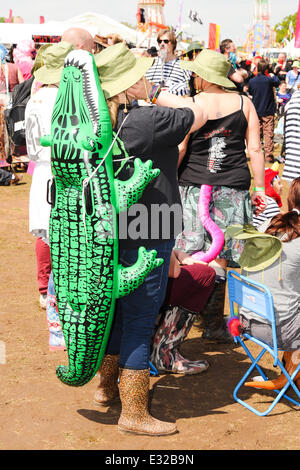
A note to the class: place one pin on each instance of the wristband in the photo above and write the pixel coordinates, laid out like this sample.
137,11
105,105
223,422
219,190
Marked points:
259,189
156,89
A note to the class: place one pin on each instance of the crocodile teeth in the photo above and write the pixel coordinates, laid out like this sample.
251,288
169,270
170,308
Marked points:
84,62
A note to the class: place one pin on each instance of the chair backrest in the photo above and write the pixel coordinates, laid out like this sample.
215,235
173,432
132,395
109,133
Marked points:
254,296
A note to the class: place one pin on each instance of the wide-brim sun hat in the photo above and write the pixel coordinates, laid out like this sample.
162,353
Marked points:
296,63
194,46
39,61
212,66
261,250
119,68
53,58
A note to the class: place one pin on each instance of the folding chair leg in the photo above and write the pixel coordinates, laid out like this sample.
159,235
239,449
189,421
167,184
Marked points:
254,361
280,394
278,383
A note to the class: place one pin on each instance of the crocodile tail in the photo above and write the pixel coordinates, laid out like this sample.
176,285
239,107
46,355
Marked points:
85,353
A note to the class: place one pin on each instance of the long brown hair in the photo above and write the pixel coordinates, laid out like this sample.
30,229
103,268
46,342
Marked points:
113,107
289,222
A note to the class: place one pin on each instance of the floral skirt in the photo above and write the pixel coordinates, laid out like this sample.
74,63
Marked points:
227,206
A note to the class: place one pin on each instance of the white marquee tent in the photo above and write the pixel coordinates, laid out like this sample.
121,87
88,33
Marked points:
94,23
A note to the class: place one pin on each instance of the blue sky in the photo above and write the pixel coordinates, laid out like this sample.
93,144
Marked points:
234,16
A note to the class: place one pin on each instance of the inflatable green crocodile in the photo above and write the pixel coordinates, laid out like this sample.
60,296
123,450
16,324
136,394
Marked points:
86,199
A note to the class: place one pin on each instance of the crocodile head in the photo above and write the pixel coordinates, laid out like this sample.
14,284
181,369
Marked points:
76,118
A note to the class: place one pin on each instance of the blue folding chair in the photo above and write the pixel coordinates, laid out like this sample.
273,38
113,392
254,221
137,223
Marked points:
256,297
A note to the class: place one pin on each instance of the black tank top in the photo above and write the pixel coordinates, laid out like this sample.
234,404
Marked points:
216,154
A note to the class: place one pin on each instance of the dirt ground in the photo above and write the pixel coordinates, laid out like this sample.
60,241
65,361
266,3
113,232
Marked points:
38,412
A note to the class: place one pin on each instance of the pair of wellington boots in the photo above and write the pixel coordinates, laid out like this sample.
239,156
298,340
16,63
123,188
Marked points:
133,391
291,359
173,328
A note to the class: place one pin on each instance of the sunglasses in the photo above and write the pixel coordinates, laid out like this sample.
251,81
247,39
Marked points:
166,41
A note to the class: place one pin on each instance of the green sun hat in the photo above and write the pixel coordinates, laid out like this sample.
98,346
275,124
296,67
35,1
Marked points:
119,68
212,66
53,58
261,249
39,60
194,46
296,63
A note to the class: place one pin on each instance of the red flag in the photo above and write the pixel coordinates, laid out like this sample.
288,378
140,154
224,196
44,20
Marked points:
212,36
297,35
42,19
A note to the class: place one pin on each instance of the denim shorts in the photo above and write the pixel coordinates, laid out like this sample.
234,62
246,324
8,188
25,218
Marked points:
136,314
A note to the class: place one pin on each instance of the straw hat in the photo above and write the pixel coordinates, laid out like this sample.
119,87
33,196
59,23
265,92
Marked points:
119,68
212,66
260,250
102,40
53,58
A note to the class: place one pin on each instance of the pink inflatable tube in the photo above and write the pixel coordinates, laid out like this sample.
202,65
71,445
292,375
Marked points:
212,228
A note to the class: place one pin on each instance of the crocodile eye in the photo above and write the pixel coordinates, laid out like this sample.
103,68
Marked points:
74,120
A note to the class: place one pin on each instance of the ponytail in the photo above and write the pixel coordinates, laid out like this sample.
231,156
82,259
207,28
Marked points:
289,222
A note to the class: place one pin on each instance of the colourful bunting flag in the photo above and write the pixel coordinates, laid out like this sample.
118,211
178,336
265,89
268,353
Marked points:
297,35
214,36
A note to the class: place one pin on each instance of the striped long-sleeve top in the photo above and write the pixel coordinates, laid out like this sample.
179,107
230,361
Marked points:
292,139
171,74
270,211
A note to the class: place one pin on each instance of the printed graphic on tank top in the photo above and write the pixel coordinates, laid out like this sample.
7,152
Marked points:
216,153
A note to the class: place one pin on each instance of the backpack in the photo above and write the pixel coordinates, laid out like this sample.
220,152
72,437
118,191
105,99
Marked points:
15,114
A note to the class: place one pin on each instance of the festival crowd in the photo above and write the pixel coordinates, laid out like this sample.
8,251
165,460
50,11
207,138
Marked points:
206,119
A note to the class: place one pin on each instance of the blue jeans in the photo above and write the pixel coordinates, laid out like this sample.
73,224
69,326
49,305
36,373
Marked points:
5,177
136,314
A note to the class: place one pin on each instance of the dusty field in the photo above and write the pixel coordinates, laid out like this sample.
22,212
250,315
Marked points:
39,412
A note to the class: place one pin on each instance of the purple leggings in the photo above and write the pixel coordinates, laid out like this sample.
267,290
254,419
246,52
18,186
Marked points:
192,288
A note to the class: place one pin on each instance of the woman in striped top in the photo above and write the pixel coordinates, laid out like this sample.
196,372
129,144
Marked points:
292,139
166,69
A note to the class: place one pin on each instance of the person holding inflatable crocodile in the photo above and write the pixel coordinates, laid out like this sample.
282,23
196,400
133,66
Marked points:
151,132
215,156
